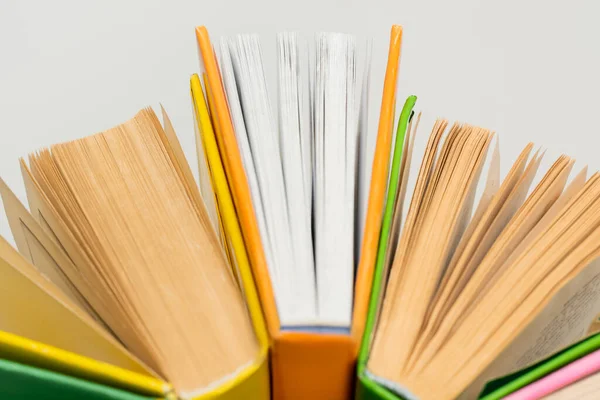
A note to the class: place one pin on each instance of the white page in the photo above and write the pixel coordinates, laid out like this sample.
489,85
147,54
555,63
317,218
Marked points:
336,135
261,127
302,166
294,136
239,126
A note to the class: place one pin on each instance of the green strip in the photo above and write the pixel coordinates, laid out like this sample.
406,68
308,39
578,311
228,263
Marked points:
368,389
19,381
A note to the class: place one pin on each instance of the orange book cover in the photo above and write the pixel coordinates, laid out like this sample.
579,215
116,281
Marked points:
307,365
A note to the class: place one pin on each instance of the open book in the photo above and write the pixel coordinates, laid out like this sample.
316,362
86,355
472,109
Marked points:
123,289
466,291
130,282
296,161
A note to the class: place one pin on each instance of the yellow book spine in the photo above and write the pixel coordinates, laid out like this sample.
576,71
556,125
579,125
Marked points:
30,352
209,103
253,382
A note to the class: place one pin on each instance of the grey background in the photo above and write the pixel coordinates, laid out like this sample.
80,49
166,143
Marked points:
526,69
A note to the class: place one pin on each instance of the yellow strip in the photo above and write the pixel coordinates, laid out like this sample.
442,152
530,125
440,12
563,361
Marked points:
203,164
30,352
238,183
227,209
226,240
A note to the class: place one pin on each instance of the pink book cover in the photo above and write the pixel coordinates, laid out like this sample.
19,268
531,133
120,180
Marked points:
568,374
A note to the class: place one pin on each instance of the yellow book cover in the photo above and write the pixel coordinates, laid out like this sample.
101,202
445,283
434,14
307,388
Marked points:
49,333
255,383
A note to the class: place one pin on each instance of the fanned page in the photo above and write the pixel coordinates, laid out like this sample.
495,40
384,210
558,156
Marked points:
144,252
461,289
41,327
301,158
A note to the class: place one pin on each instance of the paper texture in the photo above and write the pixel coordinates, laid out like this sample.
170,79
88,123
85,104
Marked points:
70,345
564,321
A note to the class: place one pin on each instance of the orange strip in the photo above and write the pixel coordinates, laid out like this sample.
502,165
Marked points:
364,278
238,184
313,366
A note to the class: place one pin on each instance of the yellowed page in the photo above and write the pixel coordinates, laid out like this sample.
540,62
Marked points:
34,308
564,321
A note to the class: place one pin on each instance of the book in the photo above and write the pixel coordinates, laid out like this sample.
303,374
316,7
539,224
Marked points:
26,382
299,180
573,372
473,295
505,385
123,286
301,266
367,388
584,389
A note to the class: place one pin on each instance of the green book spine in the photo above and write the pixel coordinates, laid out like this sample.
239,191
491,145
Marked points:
366,388
19,381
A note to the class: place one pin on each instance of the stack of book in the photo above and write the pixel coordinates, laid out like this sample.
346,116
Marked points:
302,266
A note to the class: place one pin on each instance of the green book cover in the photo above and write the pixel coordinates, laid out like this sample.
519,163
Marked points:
366,388
498,388
19,381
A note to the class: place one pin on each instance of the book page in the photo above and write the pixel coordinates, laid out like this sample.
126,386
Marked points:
34,308
119,250
564,321
585,389
594,326
31,245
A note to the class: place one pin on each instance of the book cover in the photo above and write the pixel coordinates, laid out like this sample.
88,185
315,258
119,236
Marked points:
306,364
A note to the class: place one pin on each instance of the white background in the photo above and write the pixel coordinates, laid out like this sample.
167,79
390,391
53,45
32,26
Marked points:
526,69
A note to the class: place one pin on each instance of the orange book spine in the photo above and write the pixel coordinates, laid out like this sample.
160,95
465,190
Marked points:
239,185
312,366
379,174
